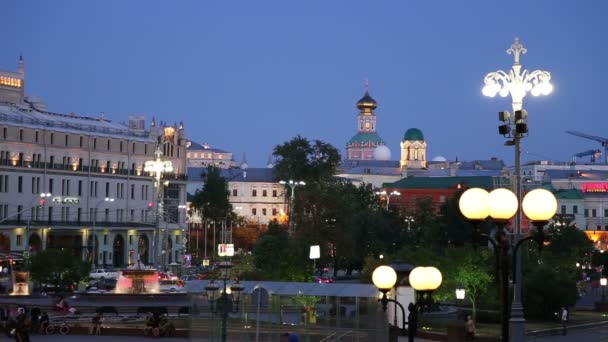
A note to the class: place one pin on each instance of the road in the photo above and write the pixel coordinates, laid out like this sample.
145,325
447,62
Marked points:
599,334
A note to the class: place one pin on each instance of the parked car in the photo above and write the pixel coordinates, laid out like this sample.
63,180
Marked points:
190,277
103,284
319,279
102,273
168,285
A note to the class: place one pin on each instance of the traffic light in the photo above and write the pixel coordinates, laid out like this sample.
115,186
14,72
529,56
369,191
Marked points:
41,202
150,205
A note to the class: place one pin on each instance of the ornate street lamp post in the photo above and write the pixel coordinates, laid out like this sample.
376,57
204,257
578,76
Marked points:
227,301
424,280
500,206
292,184
158,167
517,83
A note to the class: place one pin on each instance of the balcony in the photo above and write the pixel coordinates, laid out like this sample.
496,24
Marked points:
83,169
83,224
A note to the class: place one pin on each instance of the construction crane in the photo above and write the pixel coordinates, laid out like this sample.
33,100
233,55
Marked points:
603,141
593,153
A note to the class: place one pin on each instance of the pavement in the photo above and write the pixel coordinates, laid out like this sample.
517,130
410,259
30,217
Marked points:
79,338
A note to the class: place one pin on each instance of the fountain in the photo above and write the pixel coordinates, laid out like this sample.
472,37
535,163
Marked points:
136,279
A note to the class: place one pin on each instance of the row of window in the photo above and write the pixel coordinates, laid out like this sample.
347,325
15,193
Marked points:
68,141
202,155
71,214
254,211
67,163
66,187
254,193
586,212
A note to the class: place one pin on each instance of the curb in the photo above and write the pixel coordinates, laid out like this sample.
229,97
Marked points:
557,331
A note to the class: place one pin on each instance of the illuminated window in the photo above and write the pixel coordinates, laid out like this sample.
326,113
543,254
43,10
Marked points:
220,156
188,155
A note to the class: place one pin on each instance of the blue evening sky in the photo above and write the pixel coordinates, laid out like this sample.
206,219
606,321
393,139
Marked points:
245,76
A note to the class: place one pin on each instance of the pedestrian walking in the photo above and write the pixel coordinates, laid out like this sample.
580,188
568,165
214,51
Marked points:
564,320
21,326
470,329
96,324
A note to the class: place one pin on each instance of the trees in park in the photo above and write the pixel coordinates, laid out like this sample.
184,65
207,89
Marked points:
303,160
280,257
58,268
212,201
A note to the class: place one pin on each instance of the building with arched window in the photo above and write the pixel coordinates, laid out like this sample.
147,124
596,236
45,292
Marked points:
98,202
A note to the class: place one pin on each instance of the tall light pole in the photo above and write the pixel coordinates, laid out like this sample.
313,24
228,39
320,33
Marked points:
224,301
96,246
158,167
388,195
517,83
500,206
292,184
424,280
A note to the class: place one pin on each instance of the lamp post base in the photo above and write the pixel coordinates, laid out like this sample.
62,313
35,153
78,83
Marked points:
517,323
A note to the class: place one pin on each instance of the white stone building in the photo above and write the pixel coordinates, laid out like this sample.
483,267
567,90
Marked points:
81,161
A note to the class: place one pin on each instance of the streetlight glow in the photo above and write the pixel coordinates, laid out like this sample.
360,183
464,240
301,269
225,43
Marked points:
539,205
425,278
517,82
384,277
460,293
474,204
503,204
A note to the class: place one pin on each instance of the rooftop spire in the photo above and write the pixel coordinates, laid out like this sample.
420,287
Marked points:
21,65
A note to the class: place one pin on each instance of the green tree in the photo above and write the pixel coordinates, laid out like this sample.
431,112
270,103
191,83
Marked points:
212,202
301,160
58,268
567,240
292,265
474,278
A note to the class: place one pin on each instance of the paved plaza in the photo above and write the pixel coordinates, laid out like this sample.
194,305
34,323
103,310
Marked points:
76,338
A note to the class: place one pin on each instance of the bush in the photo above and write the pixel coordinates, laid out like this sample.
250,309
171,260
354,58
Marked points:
546,291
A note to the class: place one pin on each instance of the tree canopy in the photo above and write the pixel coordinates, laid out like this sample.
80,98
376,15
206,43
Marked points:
58,268
302,160
212,202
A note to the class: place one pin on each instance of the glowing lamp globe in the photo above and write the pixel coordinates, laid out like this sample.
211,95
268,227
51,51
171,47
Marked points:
425,278
474,204
503,204
460,293
539,205
603,281
384,277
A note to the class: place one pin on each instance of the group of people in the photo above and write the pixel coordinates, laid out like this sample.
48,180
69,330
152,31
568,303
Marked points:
17,325
158,325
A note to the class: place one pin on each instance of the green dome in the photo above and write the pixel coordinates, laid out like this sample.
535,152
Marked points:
413,134
363,138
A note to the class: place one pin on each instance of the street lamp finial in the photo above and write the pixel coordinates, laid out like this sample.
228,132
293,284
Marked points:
516,49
